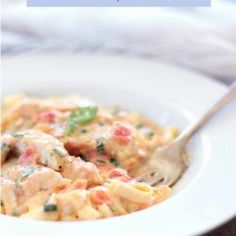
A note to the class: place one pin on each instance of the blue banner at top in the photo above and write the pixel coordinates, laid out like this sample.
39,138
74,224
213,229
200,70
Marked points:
119,3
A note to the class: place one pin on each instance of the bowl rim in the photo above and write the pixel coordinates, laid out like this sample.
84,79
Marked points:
203,82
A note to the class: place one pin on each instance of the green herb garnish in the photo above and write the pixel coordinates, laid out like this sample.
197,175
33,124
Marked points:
18,135
150,134
14,213
100,147
81,116
26,172
140,125
83,131
101,161
49,207
114,161
23,175
83,156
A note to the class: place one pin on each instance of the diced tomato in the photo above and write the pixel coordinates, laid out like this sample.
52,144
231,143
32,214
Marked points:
117,173
19,192
73,147
28,157
48,116
121,132
100,197
92,153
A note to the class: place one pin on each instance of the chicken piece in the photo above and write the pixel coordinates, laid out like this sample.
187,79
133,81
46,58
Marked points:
48,150
22,183
75,168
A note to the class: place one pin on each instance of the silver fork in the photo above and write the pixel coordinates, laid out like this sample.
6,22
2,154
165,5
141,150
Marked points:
168,163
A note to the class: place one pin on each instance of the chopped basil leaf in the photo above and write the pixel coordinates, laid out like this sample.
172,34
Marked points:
23,175
100,147
18,135
139,126
83,156
81,116
49,207
150,134
83,131
114,161
101,161
27,171
146,131
14,213
59,151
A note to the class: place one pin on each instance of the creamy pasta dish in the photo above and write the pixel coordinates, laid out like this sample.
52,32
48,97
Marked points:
70,158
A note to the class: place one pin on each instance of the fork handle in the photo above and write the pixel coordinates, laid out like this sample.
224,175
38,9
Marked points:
192,129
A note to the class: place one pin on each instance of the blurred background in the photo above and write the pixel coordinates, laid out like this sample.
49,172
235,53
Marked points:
202,39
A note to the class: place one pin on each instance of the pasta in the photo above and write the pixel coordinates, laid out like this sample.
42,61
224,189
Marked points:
71,159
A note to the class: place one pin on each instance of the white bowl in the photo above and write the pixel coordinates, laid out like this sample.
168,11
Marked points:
205,196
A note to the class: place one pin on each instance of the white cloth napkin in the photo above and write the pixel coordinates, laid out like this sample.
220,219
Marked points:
203,39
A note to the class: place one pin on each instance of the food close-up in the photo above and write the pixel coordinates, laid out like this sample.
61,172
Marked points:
71,159
118,118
